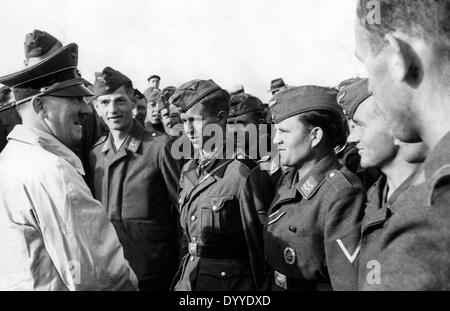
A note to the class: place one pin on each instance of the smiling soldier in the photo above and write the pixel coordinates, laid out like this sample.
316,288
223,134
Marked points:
312,234
407,60
378,148
136,179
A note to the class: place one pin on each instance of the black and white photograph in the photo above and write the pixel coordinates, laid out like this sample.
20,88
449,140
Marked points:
225,154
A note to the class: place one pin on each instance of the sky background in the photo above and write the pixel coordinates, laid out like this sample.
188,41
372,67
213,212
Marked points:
247,42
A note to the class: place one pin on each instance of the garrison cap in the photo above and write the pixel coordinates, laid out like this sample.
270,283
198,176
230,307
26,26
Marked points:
109,80
353,94
154,76
55,75
138,94
193,92
149,91
276,85
167,92
154,96
241,104
297,100
38,44
164,97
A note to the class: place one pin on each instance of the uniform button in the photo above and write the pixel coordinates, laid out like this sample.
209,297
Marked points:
332,175
192,259
223,274
154,134
180,201
194,239
215,208
193,218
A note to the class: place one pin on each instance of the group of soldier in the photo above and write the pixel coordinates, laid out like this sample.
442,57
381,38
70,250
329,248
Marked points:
103,187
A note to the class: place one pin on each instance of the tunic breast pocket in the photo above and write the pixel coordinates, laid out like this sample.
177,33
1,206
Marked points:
219,216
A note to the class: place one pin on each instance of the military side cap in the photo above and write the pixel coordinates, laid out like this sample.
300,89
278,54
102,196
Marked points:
55,75
167,92
297,100
353,94
39,43
138,94
276,85
154,76
109,80
193,92
149,91
154,96
241,104
164,97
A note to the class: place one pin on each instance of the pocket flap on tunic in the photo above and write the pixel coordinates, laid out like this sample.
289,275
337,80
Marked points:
218,202
224,270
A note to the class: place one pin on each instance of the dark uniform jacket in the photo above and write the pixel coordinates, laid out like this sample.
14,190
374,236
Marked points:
154,127
138,187
312,235
377,214
8,120
415,244
222,213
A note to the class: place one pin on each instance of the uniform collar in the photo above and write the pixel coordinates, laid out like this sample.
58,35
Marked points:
438,157
132,142
48,142
310,183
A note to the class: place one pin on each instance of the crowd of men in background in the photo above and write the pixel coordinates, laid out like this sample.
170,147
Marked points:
351,191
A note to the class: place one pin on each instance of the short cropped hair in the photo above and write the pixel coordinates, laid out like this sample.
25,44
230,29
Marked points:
425,19
332,124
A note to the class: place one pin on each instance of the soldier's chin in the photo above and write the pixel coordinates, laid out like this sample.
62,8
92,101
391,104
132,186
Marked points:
366,163
284,162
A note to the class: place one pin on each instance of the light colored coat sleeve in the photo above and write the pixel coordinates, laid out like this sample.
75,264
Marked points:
77,234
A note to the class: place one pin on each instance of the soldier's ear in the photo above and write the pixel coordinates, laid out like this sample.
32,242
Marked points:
222,117
316,135
405,63
39,106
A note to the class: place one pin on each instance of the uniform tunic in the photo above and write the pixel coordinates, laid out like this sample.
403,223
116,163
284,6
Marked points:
377,214
222,213
313,230
138,187
53,234
415,243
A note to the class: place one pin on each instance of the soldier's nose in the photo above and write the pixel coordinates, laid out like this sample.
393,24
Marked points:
276,140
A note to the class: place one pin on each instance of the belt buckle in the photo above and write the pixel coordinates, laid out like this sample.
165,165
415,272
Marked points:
193,249
280,280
